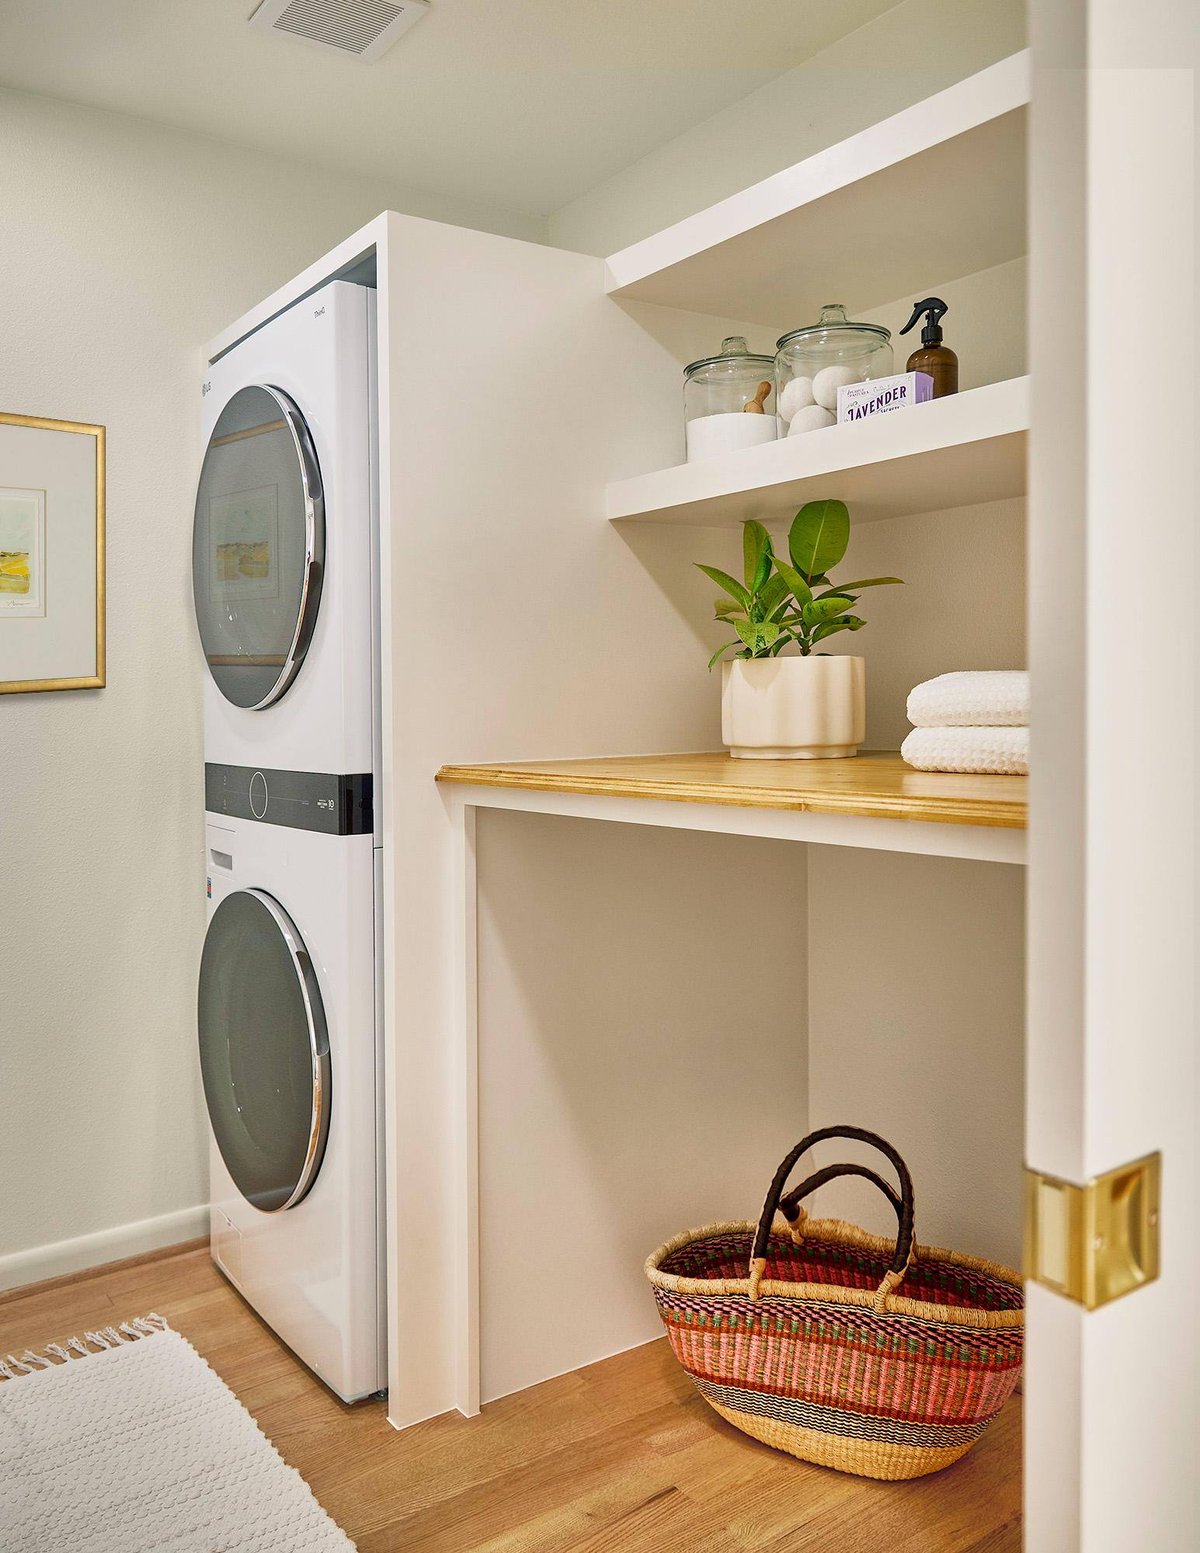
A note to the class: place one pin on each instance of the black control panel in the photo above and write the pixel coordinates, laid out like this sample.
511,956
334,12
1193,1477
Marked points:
302,800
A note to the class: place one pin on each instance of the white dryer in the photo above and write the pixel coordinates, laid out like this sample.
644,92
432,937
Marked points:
285,585
283,571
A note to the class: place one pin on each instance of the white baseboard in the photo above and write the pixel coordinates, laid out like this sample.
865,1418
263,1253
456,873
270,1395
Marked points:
105,1245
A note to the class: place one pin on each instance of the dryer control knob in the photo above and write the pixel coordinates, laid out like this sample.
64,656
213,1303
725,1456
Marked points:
258,795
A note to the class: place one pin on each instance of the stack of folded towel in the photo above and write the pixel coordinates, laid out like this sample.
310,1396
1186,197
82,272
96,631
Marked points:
976,721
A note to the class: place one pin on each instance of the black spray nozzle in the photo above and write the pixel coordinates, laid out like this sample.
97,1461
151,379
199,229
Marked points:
931,334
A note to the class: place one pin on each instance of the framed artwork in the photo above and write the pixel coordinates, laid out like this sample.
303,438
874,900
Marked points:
51,554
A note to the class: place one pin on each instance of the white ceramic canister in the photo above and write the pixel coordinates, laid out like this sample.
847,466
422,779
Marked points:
795,708
710,435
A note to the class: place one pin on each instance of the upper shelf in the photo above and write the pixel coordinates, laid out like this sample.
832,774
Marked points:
933,193
951,452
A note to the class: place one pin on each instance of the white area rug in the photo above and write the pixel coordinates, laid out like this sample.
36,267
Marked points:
125,1441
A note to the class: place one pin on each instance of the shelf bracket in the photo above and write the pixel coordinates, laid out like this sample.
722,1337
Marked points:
1096,1242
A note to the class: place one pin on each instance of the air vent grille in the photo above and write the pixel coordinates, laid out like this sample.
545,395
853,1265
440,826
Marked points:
363,29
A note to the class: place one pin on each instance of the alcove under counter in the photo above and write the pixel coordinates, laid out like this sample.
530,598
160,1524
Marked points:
871,803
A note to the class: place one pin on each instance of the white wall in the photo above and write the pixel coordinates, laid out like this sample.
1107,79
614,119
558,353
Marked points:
962,605
913,50
123,246
634,1063
916,1030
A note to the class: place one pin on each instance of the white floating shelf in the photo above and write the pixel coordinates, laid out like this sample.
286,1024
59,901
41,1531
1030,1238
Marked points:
952,452
932,194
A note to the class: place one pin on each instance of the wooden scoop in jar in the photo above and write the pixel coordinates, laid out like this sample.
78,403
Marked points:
756,406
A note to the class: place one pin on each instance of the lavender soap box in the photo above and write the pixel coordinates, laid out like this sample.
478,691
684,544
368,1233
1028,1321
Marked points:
855,401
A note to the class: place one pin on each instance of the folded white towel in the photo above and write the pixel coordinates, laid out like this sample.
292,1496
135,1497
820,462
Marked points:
977,698
1001,751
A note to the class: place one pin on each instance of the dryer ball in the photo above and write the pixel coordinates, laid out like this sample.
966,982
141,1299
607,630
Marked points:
827,382
796,395
811,418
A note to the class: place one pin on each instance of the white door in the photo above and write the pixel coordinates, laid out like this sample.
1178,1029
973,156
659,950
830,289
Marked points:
1113,1431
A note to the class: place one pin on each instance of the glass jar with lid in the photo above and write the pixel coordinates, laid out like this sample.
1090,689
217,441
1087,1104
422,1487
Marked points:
728,401
812,363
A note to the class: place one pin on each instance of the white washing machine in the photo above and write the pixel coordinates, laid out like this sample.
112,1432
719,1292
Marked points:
285,584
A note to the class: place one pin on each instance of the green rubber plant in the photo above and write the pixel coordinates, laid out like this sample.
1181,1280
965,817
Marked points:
779,601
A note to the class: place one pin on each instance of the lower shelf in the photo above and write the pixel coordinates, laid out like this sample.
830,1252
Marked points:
968,448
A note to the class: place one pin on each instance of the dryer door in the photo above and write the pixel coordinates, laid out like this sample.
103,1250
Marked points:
258,546
264,1050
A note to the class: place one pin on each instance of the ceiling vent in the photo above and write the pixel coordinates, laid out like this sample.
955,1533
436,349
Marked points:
360,29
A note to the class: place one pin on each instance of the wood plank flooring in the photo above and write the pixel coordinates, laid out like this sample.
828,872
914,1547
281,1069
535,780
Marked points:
620,1457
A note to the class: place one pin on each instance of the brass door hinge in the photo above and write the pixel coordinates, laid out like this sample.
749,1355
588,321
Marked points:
1095,1242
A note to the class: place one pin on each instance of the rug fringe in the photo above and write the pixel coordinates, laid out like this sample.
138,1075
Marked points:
13,1366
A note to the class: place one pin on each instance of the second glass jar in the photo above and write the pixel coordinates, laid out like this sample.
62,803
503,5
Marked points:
812,363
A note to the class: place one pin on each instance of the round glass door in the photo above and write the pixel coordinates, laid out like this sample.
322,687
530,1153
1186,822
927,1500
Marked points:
258,546
264,1050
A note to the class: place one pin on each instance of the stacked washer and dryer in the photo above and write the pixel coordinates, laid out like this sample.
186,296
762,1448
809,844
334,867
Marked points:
285,578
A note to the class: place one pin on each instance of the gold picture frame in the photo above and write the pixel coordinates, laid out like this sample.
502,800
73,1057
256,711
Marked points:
37,495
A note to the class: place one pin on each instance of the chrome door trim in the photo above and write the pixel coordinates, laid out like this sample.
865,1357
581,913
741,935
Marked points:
314,544
314,1012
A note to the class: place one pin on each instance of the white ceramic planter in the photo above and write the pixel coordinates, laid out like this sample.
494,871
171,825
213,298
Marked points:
793,708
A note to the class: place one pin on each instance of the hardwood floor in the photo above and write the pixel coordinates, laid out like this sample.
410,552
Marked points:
620,1457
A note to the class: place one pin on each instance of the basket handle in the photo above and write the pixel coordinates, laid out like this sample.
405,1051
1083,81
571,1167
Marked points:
904,1232
789,1205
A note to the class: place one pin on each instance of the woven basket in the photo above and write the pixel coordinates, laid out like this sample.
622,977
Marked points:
800,1337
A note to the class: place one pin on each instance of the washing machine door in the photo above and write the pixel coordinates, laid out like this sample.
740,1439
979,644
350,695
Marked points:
264,1050
258,546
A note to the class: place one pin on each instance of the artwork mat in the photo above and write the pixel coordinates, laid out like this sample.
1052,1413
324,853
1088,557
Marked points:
31,606
92,671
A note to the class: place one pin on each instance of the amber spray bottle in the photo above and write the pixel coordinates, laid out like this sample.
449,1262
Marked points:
938,360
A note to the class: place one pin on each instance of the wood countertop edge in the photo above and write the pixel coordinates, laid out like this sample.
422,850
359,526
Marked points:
995,814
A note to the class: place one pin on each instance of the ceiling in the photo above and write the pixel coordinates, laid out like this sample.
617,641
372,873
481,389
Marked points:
518,104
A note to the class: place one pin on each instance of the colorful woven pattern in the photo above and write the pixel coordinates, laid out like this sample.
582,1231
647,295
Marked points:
822,1355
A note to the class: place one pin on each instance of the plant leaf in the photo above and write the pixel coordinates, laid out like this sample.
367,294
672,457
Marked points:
819,535
728,583
723,608
842,623
863,582
719,651
821,610
793,580
772,593
756,554
757,635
